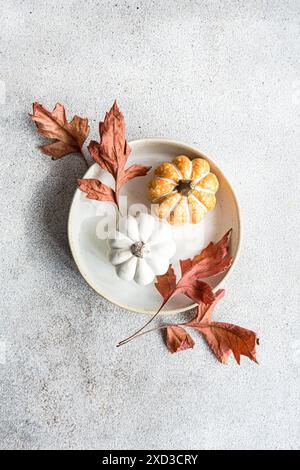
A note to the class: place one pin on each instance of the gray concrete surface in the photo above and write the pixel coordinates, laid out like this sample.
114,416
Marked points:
223,75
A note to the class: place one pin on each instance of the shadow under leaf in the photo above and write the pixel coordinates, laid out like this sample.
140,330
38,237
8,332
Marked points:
50,204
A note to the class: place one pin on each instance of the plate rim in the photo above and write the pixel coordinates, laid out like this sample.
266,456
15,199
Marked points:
85,276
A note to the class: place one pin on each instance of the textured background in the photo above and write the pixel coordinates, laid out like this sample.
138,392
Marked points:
223,75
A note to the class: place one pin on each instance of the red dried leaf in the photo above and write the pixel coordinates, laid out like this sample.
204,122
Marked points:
224,338
204,312
178,339
214,259
132,172
112,152
96,190
185,265
69,137
216,250
196,290
166,284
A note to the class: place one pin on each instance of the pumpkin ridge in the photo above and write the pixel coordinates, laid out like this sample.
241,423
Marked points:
173,207
178,171
188,210
197,180
180,162
204,190
199,202
168,180
179,215
164,196
158,187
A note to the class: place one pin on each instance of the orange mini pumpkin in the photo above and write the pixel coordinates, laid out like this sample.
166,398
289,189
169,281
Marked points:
183,190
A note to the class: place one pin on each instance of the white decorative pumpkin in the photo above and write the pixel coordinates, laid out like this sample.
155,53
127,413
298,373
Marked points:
141,249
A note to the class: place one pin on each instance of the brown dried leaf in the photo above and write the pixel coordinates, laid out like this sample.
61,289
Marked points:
196,290
178,339
214,259
112,152
224,338
204,312
68,137
132,172
96,190
166,284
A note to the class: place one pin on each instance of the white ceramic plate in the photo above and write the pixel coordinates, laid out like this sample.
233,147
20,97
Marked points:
87,219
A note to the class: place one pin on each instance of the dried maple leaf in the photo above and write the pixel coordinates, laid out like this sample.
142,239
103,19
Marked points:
204,312
178,339
214,259
96,190
69,137
166,284
112,152
224,338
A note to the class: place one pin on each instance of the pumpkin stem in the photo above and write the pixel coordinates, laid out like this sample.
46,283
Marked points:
137,249
184,187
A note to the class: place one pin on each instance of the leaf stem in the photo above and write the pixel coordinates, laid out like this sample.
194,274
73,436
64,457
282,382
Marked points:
162,327
137,333
142,333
